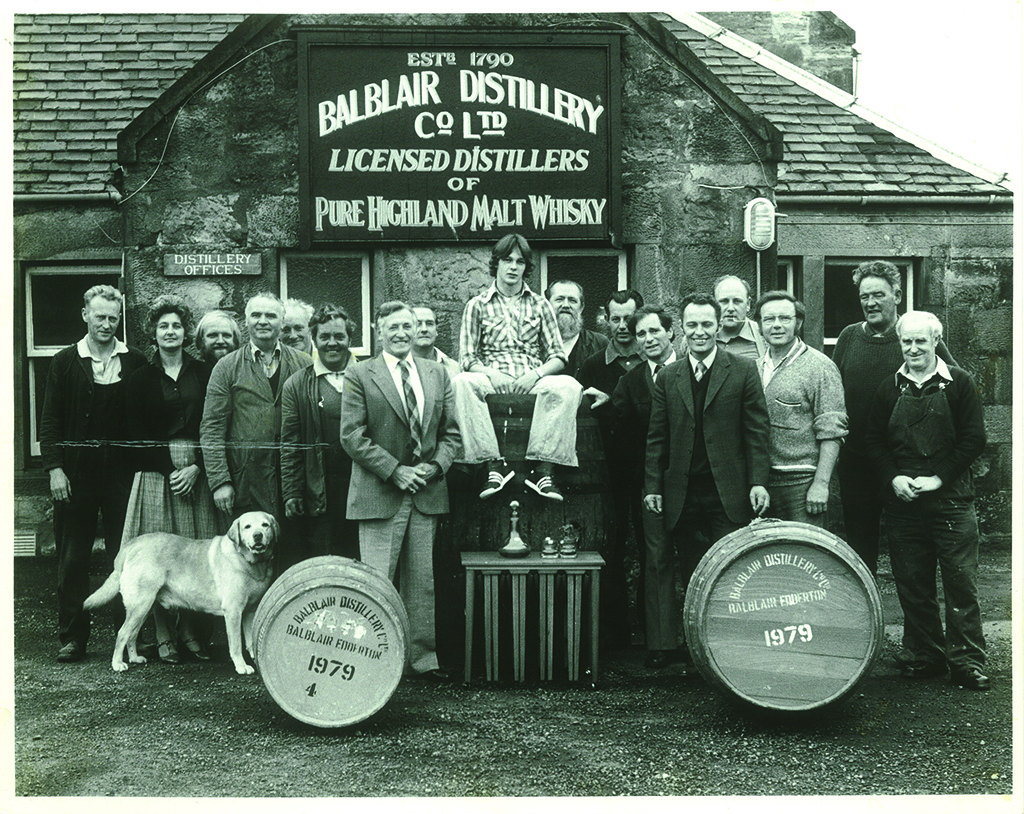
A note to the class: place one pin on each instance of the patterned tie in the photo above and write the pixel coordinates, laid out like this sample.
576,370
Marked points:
698,374
410,406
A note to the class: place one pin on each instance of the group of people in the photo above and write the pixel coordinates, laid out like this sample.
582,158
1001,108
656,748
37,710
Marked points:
738,418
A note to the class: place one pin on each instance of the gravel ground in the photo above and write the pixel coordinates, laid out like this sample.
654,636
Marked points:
199,730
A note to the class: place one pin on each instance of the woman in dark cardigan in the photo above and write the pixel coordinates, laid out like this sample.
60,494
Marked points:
164,403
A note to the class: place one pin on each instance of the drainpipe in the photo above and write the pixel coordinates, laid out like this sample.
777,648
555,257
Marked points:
110,196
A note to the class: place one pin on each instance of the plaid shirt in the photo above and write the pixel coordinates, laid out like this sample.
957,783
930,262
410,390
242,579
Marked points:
512,334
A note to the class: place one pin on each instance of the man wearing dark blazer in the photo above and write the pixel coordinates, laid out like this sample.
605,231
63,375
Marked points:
707,462
398,425
82,437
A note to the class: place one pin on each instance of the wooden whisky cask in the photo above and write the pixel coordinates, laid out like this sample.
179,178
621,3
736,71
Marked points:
330,641
784,616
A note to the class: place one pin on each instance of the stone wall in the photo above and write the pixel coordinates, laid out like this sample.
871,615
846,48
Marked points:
817,41
229,180
965,256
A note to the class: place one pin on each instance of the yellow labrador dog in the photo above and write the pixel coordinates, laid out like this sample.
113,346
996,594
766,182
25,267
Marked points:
226,576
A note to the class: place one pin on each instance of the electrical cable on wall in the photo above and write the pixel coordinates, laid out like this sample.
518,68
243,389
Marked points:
181,107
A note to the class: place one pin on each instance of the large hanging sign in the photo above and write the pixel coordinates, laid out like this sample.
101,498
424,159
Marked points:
436,136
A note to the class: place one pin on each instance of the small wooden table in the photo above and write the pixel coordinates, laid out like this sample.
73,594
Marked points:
490,565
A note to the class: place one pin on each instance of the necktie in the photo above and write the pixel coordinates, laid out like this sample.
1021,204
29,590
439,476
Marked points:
657,370
698,374
410,406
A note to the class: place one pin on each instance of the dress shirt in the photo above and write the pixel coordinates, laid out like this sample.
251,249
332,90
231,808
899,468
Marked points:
666,363
414,379
707,360
103,372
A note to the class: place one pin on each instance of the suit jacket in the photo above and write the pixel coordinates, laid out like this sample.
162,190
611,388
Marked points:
241,428
736,430
630,412
375,433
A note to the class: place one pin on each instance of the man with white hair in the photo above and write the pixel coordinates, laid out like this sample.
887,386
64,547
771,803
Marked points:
295,326
579,344
925,428
241,428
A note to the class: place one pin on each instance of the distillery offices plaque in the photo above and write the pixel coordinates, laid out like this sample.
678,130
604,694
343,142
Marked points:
434,136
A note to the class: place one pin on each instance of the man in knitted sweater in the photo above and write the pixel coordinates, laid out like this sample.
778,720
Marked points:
807,412
866,353
925,429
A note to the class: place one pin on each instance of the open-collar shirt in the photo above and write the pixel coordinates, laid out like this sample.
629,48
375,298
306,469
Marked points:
270,361
941,372
106,371
769,368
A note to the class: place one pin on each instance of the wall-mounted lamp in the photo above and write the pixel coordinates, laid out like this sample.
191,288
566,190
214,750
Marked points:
759,224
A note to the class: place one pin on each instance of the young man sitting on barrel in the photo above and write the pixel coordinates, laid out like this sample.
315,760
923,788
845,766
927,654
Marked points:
509,343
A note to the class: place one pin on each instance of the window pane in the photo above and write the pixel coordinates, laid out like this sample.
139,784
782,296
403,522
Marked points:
317,279
598,274
57,307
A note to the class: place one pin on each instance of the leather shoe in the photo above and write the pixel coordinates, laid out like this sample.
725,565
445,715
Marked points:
656,659
971,678
436,676
72,651
927,669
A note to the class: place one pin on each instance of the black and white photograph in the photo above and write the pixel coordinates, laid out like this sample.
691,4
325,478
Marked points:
442,407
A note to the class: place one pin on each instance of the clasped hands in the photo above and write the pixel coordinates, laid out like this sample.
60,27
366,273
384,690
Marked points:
413,478
908,488
503,383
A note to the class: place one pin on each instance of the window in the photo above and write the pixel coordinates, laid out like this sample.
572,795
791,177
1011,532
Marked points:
790,277
342,278
841,305
53,320
600,273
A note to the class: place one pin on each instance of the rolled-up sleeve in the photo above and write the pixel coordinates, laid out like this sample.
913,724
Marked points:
830,419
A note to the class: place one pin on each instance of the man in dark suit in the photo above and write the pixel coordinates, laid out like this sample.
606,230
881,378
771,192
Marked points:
81,434
398,425
707,462
629,412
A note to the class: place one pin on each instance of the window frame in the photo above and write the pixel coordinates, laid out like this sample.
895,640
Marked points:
909,265
34,352
623,265
366,317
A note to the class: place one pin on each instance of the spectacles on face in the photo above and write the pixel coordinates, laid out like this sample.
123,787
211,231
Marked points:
780,320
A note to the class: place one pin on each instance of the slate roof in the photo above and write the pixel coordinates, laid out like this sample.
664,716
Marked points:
79,79
828,149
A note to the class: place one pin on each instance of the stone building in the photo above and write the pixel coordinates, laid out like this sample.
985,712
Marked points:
201,154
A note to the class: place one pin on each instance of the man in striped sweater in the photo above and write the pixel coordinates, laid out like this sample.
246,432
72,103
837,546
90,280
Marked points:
808,415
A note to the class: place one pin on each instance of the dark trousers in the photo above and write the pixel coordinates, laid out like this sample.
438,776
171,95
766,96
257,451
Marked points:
861,494
926,534
702,523
93,493
626,511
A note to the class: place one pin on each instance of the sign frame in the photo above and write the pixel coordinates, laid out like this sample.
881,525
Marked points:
606,43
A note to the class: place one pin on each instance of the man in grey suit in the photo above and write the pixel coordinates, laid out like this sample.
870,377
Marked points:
398,425
707,461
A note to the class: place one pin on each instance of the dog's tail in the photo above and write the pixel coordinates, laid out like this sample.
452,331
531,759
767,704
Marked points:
109,589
